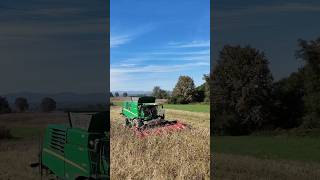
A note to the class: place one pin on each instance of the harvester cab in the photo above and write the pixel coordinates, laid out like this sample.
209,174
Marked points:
144,114
78,149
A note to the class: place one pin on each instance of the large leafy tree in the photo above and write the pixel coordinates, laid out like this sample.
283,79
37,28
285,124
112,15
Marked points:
241,88
21,104
288,107
4,106
309,52
206,77
159,93
200,93
184,91
48,104
203,91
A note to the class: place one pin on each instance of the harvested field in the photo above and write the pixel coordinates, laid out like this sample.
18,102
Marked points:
239,167
181,155
17,153
265,157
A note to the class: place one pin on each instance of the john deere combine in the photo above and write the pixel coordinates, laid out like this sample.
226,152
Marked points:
147,117
79,149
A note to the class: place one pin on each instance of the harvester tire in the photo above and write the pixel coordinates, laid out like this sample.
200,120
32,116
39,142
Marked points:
136,123
127,123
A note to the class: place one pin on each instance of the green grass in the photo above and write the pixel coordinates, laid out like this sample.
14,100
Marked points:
184,107
269,147
189,107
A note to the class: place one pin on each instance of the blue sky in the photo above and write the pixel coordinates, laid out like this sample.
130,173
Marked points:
273,26
154,42
53,46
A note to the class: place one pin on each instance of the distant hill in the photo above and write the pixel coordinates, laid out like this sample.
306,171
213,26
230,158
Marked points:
134,93
59,97
64,99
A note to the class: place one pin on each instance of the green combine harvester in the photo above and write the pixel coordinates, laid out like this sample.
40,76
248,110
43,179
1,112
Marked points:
147,117
77,150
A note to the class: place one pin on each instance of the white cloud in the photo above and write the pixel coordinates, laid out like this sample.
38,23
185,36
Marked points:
170,52
127,65
156,68
127,78
116,41
192,44
162,64
165,58
36,30
120,38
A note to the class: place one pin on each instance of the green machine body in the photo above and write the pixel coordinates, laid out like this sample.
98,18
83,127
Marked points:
78,149
142,110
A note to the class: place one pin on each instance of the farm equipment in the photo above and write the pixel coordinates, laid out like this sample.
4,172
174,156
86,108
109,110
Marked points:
79,149
147,117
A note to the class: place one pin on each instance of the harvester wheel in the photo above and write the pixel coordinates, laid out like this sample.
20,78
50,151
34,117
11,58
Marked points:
136,123
127,123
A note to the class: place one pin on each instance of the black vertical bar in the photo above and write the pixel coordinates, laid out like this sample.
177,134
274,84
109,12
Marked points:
108,86
69,117
210,87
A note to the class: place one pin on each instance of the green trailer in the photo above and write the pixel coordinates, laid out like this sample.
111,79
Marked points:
78,149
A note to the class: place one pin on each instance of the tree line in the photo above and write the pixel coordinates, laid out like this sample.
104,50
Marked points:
116,94
246,99
21,105
184,92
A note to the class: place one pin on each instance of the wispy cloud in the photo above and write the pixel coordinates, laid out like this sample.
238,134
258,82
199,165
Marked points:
120,38
43,28
174,58
266,9
192,44
122,77
157,68
165,58
166,55
174,53
116,41
66,11
127,65
48,36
